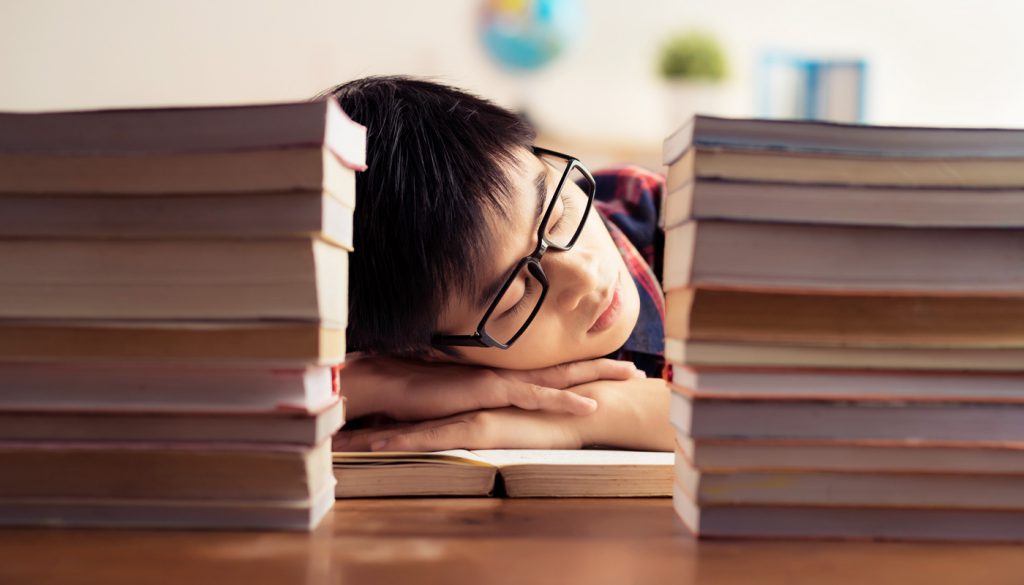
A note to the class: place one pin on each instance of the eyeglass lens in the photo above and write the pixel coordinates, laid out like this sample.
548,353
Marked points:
517,303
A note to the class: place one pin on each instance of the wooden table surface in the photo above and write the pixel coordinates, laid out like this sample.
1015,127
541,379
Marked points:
486,541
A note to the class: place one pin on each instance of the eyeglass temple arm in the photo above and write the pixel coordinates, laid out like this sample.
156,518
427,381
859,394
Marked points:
474,340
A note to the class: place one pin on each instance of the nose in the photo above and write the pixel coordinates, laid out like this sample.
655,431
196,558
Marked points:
573,275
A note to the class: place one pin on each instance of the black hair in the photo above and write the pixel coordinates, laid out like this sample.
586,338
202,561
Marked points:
435,184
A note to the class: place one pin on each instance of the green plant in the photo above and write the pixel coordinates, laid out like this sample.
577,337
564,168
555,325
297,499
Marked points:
692,56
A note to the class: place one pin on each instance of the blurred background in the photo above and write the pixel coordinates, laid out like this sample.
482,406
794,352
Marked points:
606,80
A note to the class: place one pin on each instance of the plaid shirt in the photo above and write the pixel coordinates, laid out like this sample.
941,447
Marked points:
628,199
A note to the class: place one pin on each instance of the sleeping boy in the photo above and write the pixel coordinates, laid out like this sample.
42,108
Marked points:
501,296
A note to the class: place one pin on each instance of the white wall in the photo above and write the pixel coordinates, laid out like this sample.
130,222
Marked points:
937,62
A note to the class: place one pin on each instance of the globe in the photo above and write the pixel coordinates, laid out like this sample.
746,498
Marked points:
525,35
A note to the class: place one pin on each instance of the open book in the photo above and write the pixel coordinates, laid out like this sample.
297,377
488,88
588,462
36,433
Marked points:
523,473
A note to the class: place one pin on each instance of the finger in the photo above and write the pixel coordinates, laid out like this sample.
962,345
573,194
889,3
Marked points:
352,440
534,397
360,440
456,433
484,389
599,369
582,372
457,391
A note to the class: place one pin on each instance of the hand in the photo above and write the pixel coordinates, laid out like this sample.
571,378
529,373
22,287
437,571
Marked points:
632,415
503,428
410,390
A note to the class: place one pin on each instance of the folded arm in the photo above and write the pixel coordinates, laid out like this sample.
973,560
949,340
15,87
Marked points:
630,414
412,390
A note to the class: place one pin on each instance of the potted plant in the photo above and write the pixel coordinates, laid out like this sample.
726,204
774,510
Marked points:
695,65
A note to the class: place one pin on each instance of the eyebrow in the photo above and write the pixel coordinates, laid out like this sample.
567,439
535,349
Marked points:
488,292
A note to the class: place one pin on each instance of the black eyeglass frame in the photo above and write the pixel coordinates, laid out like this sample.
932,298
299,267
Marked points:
532,262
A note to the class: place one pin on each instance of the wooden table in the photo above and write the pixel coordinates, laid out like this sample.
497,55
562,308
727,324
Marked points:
486,541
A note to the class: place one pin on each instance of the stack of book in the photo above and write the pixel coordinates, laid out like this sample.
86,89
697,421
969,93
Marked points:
845,327
172,313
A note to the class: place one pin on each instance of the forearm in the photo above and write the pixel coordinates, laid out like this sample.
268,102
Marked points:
362,384
630,415
413,390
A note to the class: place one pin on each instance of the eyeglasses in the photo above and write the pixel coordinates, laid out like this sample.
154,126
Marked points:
515,305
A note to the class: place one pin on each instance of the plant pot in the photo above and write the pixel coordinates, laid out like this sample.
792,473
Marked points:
685,98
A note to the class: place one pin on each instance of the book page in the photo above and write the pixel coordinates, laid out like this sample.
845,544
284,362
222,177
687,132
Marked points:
510,457
453,457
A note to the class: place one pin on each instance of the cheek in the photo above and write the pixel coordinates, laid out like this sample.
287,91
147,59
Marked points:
613,338
597,237
550,340
521,356
630,306
546,343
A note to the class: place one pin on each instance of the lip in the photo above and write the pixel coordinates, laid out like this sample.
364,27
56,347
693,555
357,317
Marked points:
610,308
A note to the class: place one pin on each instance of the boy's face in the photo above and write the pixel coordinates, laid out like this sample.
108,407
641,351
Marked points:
592,302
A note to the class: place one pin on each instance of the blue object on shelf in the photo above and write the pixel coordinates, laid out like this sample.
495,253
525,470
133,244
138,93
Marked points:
797,87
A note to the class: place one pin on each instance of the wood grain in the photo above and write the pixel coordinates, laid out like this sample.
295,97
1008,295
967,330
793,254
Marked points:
627,541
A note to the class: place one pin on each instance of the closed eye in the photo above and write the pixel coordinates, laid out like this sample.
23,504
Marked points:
522,303
569,207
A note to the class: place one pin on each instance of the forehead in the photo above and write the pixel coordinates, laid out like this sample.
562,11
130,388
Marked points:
510,234
515,229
